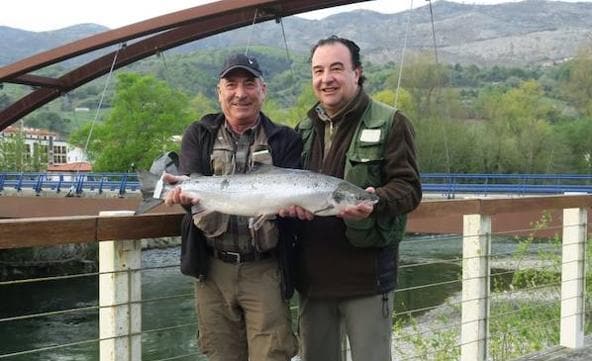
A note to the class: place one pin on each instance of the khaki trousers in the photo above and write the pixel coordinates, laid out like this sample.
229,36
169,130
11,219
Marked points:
241,314
367,321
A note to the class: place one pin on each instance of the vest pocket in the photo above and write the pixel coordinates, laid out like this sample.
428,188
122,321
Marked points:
222,160
266,237
212,224
364,164
364,174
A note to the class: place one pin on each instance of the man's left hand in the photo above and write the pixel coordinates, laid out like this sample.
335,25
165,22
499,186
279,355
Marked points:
360,211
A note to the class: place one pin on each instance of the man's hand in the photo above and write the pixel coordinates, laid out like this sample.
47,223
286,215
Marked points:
176,195
296,212
359,212
169,178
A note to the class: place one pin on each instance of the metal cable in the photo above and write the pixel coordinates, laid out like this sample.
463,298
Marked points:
96,117
251,32
281,21
433,32
403,53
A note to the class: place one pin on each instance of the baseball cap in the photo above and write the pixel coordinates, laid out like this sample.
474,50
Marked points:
241,61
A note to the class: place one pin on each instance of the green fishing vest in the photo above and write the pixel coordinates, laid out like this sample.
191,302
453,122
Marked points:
363,167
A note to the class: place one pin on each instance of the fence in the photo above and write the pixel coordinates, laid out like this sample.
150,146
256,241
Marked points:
75,183
452,184
448,184
470,320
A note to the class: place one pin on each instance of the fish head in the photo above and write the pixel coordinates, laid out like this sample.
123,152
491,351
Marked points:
349,195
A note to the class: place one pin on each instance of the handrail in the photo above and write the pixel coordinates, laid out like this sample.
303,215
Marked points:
38,182
49,231
475,298
449,184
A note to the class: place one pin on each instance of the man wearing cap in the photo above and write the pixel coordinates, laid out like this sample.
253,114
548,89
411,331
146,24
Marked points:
243,276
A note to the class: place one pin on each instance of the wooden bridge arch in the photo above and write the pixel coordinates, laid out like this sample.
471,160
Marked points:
152,35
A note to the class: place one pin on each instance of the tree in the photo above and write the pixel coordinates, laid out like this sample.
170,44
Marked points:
423,79
402,102
16,157
578,85
519,137
49,120
277,113
577,137
203,105
304,102
145,117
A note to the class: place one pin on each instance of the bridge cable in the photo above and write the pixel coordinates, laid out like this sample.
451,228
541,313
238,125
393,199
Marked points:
439,88
403,49
72,189
287,48
278,20
165,73
251,32
433,31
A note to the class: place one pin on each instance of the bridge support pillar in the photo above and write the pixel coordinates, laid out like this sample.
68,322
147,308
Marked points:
573,287
120,310
475,287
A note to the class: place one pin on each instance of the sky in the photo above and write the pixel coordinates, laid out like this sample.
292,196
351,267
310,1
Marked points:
44,15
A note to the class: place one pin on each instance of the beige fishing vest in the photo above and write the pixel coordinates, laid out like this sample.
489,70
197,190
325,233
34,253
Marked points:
231,233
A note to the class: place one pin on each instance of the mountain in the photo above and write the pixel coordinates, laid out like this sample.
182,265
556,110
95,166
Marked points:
16,44
518,33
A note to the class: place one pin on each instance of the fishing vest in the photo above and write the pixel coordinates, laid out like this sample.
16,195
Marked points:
363,167
229,232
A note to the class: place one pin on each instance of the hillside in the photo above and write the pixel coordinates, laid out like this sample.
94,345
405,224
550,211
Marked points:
16,44
528,32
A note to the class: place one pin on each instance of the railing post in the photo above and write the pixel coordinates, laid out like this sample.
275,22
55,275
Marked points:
120,310
575,224
475,287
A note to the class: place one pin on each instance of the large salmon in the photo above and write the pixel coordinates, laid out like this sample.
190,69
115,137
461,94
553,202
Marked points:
262,192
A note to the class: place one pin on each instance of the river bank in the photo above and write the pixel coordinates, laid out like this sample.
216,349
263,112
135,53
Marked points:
29,263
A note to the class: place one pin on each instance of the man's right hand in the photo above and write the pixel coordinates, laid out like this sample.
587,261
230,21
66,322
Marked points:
296,212
176,195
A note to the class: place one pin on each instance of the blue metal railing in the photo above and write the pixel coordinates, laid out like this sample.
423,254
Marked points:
72,183
448,184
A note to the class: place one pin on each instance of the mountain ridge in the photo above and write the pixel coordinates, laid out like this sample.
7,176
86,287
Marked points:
513,34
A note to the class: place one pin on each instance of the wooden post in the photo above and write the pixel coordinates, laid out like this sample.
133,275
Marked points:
120,311
475,287
573,278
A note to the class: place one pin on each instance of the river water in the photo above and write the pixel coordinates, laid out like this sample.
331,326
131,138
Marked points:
171,318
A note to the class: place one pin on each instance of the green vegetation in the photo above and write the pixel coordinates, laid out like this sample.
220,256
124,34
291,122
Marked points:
13,156
525,310
146,114
468,119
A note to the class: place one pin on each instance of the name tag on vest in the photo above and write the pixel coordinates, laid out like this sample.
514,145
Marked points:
370,135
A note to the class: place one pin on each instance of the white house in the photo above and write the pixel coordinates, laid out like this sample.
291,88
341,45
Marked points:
58,150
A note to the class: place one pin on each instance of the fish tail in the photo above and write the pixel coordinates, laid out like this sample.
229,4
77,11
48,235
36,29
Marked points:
148,184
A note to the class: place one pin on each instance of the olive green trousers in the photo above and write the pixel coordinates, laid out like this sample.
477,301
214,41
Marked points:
241,314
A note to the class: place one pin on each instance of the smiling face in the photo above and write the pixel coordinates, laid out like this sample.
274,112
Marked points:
241,97
334,78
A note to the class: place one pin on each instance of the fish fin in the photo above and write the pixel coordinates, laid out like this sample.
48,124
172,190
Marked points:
149,182
199,209
319,211
256,223
264,168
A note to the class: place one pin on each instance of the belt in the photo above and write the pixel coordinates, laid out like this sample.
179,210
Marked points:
237,257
